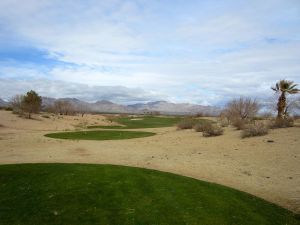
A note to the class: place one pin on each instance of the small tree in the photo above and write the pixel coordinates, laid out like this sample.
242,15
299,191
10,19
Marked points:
31,103
284,87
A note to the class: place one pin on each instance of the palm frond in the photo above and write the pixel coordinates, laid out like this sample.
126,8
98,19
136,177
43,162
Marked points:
293,86
293,91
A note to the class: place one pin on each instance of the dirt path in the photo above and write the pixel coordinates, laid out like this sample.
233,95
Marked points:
270,170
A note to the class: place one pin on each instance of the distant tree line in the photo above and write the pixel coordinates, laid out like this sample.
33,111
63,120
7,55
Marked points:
65,107
31,102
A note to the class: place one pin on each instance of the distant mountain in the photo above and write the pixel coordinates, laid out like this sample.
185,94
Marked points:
3,103
165,107
109,107
162,107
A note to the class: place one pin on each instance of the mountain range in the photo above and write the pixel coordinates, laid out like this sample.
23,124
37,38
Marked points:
162,107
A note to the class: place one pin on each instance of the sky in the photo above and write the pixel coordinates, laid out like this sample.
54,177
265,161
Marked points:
196,51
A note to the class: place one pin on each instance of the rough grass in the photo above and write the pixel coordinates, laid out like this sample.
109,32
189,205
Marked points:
141,122
113,195
100,135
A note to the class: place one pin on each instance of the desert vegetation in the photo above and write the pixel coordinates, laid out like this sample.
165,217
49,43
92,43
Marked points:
240,112
255,129
284,87
282,123
186,123
29,103
211,130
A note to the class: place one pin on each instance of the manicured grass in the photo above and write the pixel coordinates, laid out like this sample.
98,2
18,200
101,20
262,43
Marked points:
144,122
100,135
115,195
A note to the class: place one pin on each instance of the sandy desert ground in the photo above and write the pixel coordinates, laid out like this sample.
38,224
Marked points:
270,170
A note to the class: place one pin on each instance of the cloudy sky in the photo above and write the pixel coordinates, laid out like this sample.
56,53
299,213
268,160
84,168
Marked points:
196,51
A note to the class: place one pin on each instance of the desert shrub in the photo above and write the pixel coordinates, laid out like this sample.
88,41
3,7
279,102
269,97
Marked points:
242,108
64,107
255,129
282,123
223,121
239,124
186,123
199,114
200,127
211,130
296,117
259,118
16,103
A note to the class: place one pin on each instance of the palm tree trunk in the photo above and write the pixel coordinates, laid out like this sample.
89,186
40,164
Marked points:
281,106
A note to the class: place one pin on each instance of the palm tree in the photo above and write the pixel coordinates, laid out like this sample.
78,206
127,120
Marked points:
284,87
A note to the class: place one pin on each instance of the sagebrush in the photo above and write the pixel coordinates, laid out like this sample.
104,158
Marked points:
187,123
282,123
200,127
255,129
211,130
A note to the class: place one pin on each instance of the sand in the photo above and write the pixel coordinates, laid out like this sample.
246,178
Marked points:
270,170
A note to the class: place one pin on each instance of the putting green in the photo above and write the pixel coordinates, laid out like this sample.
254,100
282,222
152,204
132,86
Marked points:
113,195
100,135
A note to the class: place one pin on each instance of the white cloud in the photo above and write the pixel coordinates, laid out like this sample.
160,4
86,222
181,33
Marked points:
196,54
60,89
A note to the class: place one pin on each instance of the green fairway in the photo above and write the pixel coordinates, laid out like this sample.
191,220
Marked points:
100,135
144,122
32,194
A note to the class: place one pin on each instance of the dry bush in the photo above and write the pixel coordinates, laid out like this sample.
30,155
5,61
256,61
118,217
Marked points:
242,108
296,117
64,107
200,127
282,123
255,129
186,123
16,104
212,130
223,121
199,114
239,124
